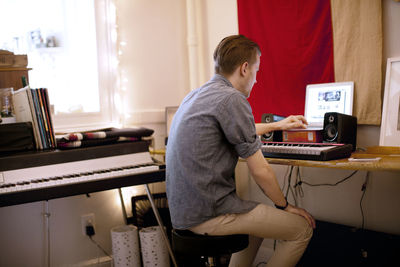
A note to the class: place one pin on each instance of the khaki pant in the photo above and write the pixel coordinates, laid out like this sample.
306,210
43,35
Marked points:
263,221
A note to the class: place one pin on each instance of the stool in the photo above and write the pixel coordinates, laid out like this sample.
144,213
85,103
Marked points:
204,250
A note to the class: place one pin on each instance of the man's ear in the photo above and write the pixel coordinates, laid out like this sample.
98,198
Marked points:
243,68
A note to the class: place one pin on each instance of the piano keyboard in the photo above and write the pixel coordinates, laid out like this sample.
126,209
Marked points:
72,172
306,151
75,172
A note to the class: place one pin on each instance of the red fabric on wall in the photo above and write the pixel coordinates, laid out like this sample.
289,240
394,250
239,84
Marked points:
296,44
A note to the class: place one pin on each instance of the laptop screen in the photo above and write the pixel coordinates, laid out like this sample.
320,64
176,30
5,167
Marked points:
169,115
327,97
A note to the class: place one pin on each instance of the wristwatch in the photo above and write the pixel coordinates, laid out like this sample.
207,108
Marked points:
282,207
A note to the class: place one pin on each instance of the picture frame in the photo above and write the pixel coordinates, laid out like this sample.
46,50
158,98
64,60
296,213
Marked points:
390,126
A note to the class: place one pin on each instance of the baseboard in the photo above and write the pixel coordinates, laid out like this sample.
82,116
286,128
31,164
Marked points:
105,261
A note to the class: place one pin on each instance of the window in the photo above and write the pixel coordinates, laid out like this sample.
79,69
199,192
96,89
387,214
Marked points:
71,49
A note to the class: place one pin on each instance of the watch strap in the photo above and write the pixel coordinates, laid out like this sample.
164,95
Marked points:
282,207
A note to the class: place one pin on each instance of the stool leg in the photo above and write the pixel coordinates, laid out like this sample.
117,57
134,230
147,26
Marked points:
211,262
217,261
158,218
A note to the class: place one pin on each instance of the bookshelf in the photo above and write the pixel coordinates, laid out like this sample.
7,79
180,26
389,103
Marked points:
30,105
12,77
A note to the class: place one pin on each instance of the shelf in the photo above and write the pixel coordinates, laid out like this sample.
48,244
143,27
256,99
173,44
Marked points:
15,69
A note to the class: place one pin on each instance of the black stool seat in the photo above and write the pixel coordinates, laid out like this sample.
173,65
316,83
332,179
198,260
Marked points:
188,243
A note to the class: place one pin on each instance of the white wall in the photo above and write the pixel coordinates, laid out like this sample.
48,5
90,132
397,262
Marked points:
154,62
153,59
221,21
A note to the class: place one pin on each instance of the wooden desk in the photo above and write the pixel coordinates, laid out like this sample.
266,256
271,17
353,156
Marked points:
390,160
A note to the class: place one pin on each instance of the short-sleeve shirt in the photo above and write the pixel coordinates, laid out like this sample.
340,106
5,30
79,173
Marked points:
211,129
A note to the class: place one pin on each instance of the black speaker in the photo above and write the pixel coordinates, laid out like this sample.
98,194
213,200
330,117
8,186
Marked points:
340,128
275,136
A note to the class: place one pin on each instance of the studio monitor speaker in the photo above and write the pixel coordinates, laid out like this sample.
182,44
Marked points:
275,136
340,128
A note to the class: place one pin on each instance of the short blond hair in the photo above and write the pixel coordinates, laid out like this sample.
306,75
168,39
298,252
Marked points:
233,51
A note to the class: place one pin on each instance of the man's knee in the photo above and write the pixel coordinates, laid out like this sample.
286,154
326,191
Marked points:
303,230
307,232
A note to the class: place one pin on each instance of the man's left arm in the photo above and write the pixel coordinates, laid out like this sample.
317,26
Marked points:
264,176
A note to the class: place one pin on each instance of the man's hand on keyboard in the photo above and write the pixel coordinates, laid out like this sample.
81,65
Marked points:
293,122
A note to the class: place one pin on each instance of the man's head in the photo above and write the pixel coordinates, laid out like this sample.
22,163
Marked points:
233,51
238,58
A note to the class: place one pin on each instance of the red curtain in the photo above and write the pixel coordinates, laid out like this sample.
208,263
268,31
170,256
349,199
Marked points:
295,37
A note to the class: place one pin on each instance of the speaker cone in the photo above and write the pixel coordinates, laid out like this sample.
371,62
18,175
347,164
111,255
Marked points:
268,135
330,132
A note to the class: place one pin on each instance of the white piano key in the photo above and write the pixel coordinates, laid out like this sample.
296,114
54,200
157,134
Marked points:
303,149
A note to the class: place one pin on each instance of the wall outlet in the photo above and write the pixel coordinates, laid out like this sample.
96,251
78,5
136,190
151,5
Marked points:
87,219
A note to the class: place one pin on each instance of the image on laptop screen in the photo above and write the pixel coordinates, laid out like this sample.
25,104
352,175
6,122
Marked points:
327,97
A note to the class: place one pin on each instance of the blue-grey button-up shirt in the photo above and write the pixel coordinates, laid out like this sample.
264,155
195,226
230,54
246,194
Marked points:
213,126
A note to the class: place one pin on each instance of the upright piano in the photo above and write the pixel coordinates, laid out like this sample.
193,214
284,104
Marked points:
44,175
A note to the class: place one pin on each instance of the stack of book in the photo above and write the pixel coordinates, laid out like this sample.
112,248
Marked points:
33,105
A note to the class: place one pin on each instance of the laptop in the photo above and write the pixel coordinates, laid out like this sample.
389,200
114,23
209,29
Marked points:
169,115
327,97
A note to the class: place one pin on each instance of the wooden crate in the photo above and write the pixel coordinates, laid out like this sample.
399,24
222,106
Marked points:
12,77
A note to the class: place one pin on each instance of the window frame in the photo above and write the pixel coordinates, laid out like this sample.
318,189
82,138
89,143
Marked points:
106,39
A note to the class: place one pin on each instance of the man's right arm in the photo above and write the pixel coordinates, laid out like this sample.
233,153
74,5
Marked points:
265,177
291,122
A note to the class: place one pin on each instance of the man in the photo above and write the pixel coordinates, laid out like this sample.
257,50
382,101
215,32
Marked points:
211,129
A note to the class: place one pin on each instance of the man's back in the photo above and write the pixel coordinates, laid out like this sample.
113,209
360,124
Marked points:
211,128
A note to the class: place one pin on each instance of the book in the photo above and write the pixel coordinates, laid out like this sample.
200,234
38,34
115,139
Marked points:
25,112
33,105
39,118
49,119
40,145
43,114
45,109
